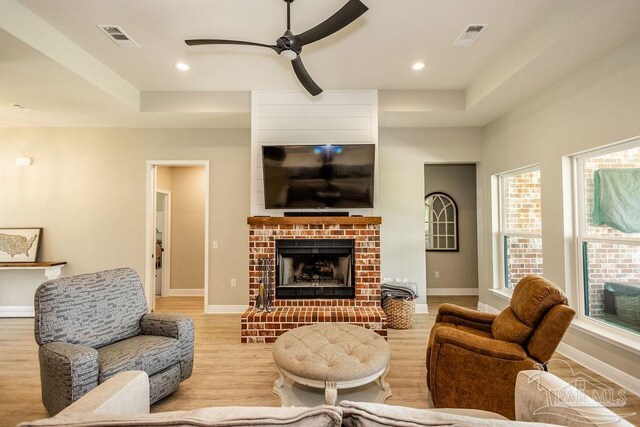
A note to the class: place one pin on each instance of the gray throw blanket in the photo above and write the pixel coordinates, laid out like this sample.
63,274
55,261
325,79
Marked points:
402,290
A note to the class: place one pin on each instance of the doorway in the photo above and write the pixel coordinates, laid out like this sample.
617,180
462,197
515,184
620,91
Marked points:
451,231
177,232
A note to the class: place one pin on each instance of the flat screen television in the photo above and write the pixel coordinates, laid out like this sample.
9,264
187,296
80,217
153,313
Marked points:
318,176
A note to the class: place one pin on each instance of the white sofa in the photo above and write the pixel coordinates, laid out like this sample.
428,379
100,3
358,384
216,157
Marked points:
124,401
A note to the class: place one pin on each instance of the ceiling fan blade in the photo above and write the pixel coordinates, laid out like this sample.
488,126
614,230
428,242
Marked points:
305,78
345,16
200,42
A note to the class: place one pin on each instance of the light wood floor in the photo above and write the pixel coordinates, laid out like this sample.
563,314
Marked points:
227,372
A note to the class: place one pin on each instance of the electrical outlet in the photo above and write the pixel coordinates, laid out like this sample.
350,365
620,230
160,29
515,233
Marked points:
398,279
437,274
233,283
214,244
386,279
405,280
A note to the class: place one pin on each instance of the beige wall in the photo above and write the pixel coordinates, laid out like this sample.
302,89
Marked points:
163,178
403,154
596,106
86,188
187,227
457,269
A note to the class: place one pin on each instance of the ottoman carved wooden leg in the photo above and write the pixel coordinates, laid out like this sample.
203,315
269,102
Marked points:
384,385
330,393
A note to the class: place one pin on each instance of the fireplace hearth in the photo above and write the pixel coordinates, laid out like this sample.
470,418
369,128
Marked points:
335,280
315,268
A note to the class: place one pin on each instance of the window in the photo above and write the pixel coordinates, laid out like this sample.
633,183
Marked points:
608,235
520,225
440,222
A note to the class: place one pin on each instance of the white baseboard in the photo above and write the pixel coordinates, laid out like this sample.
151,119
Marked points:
186,292
601,368
226,309
596,365
16,311
452,291
422,308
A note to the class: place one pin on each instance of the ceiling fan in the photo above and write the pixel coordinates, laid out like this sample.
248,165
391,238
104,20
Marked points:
290,45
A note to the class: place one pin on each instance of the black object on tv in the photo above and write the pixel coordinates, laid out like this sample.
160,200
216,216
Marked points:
318,176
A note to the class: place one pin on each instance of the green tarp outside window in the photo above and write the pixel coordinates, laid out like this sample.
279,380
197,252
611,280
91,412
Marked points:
616,200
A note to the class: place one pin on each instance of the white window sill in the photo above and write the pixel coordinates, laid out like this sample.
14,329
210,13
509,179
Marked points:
607,333
502,293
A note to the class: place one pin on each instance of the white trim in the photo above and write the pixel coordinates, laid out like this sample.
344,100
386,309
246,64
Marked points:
226,309
149,241
186,292
17,311
486,308
601,368
166,243
608,333
502,293
422,308
452,291
603,150
149,283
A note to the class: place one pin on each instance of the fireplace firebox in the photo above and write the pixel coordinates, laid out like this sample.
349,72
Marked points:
315,268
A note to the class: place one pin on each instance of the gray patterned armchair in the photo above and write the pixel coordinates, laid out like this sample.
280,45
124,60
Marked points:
93,326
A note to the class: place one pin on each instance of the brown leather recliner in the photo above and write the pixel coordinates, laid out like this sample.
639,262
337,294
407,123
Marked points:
473,358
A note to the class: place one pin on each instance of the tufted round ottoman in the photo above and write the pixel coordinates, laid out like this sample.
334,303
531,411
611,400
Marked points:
332,356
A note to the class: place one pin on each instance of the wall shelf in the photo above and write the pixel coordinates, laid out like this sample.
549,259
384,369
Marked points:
52,270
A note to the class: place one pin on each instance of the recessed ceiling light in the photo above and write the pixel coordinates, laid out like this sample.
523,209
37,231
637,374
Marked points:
181,66
418,66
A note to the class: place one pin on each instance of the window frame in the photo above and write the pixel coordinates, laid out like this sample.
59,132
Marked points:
592,326
456,234
502,224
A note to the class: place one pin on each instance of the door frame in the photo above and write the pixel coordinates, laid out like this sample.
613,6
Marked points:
150,225
166,242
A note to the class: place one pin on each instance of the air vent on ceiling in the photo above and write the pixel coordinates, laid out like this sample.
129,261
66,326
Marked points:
470,35
118,36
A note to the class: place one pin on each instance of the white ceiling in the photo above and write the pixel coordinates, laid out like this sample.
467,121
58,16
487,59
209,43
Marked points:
54,59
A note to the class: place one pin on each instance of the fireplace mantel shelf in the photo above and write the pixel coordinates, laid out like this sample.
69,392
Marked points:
305,220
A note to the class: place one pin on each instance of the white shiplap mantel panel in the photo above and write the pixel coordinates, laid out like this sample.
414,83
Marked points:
289,117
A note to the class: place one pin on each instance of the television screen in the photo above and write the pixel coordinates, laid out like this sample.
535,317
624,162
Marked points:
318,176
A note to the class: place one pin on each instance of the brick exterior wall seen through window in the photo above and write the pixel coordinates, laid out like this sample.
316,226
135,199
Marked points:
523,215
608,262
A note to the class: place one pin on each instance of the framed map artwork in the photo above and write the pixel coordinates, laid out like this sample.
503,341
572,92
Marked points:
19,244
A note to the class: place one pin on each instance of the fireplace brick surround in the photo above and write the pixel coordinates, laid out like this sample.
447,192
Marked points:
363,310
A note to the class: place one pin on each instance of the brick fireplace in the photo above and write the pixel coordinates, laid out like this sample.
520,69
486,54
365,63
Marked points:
360,307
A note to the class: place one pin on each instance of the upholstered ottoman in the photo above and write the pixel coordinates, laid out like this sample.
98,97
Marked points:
332,356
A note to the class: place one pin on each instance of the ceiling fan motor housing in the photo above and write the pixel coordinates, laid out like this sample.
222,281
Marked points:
289,42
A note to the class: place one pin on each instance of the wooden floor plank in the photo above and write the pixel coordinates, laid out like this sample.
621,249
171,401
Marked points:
227,372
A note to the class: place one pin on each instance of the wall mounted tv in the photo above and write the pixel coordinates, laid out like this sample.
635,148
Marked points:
318,176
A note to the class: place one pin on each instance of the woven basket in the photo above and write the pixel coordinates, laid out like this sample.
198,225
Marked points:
628,309
400,312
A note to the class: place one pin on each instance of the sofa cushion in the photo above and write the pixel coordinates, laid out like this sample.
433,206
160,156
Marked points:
358,414
147,353
321,416
92,310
